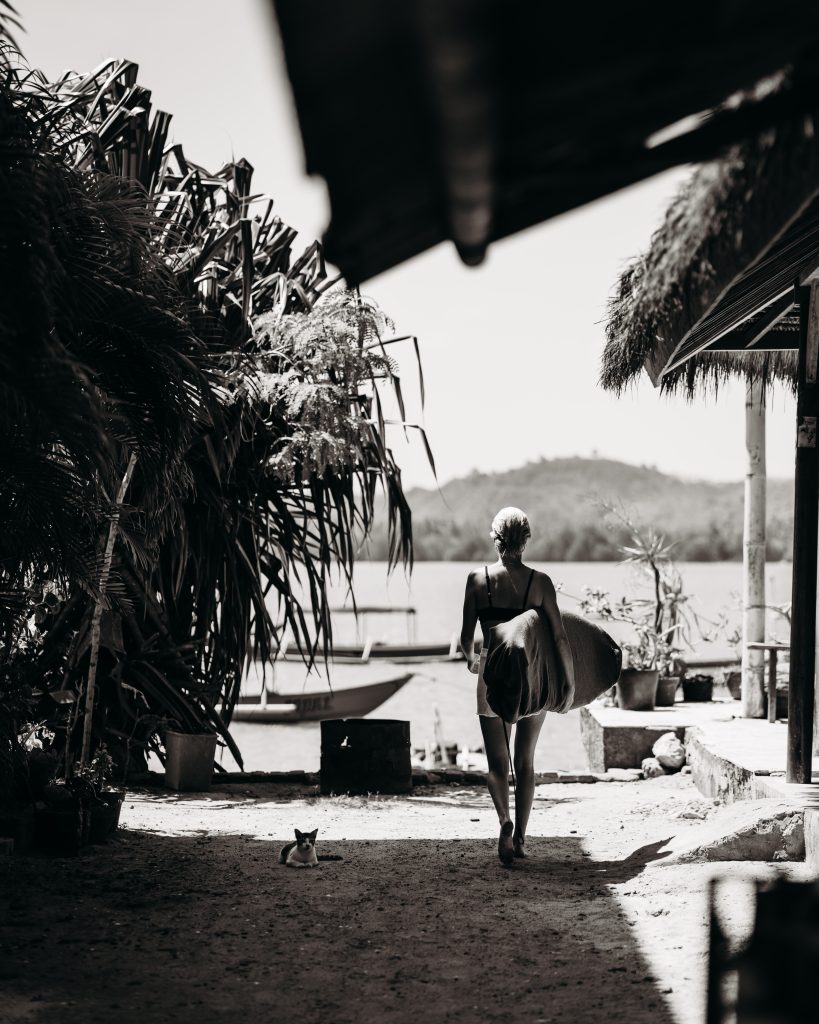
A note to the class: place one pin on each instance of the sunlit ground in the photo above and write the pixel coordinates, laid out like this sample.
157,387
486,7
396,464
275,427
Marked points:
188,915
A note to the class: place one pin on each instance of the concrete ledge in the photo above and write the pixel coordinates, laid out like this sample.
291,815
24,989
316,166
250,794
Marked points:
621,739
715,775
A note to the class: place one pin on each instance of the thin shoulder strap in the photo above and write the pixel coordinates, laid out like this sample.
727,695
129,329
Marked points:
488,587
531,574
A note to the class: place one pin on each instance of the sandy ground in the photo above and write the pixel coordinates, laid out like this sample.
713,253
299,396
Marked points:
186,916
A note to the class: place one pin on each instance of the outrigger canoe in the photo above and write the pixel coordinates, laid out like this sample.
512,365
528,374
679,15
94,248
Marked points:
351,702
367,649
401,653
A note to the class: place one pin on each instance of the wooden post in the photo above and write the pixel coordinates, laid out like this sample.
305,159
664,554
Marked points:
753,553
805,524
772,659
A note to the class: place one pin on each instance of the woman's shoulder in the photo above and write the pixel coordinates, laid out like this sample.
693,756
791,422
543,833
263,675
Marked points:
476,577
542,580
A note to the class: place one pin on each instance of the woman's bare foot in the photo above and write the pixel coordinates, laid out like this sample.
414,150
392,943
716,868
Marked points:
517,843
506,850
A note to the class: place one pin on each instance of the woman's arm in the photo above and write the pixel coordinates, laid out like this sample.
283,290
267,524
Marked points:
564,650
470,620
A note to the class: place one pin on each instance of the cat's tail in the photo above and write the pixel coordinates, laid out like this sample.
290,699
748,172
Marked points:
330,856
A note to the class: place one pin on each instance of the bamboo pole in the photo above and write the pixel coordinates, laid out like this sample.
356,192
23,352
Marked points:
753,553
96,619
805,525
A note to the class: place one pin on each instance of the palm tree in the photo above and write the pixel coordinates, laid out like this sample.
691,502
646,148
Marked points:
275,485
98,359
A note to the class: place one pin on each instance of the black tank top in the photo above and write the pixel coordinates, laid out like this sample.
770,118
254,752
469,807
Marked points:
490,615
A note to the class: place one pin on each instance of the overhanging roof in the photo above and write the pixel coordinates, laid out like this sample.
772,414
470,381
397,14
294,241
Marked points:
472,119
749,315
720,273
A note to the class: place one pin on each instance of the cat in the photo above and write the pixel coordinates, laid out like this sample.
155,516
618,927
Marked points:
302,852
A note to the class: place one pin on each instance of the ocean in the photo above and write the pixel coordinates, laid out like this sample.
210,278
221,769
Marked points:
447,690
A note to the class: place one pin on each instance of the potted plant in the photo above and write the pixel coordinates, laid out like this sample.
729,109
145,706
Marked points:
637,686
103,801
661,621
79,810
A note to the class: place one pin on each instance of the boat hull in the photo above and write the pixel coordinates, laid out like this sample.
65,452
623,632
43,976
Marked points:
352,702
399,653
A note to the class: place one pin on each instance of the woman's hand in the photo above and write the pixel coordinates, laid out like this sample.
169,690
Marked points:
467,641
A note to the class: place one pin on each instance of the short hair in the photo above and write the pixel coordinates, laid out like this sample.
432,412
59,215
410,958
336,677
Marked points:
510,530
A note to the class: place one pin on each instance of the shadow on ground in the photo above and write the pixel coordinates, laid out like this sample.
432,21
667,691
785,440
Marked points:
211,929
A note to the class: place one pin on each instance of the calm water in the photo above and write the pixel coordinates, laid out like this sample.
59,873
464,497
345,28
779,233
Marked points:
436,592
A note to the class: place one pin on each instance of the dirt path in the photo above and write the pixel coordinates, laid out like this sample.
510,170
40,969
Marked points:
187,916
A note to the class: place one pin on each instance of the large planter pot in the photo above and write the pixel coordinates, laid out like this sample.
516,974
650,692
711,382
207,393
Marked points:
637,689
667,691
189,761
697,689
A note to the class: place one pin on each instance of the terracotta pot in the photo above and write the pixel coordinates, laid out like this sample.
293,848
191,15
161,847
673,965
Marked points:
189,760
667,691
637,689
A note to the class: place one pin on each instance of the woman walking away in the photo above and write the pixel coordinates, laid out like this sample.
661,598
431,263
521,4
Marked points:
494,594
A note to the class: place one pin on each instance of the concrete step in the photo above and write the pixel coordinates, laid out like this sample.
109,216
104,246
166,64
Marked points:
613,738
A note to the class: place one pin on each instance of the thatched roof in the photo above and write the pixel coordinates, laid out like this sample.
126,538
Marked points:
473,119
735,240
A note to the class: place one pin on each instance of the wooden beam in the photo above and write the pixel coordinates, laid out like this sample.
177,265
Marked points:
460,47
805,526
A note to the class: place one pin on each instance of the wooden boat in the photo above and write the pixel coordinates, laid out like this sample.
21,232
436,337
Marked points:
351,702
401,653
366,649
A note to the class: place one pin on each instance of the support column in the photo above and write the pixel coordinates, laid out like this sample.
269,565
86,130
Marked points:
753,553
805,525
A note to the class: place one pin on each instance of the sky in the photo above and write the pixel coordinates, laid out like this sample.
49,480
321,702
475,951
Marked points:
511,350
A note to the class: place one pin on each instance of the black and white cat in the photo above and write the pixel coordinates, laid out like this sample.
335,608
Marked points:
302,852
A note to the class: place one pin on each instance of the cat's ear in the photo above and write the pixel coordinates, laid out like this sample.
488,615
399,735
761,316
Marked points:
299,835
313,834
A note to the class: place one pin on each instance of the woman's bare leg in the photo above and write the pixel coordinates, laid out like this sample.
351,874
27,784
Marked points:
494,743
526,737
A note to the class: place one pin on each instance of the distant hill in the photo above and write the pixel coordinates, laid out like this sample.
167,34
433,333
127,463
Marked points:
703,518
